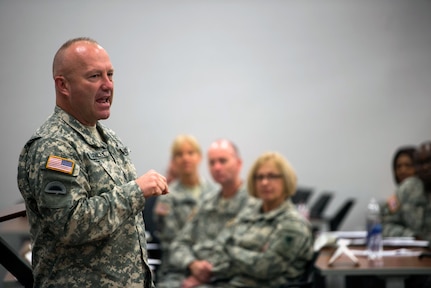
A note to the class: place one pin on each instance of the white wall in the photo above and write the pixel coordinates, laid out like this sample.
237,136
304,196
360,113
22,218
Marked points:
336,86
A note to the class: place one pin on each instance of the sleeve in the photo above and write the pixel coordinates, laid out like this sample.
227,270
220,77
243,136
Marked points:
181,249
288,249
220,255
65,202
393,226
400,210
167,226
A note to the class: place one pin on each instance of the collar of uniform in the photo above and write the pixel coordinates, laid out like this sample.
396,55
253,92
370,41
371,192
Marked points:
81,129
258,214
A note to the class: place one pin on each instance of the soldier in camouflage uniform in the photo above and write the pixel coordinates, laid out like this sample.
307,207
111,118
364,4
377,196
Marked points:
213,213
408,212
172,211
269,243
83,198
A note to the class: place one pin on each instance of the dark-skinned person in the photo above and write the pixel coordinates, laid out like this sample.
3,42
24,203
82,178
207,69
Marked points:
403,164
410,208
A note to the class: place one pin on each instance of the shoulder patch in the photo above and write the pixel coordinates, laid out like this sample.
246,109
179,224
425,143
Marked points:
393,203
60,164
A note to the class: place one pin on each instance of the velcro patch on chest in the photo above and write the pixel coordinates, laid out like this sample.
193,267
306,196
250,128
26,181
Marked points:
60,164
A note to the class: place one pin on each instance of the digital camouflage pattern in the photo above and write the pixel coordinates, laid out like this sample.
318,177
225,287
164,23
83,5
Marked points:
262,249
181,204
201,231
413,214
87,227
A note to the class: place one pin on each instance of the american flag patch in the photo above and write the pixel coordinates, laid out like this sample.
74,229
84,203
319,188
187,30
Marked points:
60,164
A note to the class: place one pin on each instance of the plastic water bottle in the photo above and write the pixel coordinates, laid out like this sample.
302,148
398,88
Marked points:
374,231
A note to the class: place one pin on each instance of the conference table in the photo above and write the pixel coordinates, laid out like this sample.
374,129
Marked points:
393,269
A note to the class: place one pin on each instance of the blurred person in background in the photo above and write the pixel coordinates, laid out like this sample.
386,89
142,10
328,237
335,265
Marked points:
269,243
186,191
214,212
410,208
402,164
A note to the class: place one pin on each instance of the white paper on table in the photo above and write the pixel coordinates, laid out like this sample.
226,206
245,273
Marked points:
389,253
404,241
348,234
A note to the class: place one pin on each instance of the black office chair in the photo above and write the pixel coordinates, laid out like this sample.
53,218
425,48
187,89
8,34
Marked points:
302,195
341,214
153,242
319,206
150,226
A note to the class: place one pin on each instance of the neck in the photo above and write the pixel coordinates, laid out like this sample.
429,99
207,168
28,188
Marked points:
189,180
271,205
229,190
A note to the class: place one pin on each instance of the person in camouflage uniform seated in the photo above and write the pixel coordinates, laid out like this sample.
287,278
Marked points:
408,211
186,191
269,243
410,207
83,198
213,213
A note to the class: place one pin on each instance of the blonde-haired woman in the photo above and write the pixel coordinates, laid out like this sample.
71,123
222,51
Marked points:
269,243
185,192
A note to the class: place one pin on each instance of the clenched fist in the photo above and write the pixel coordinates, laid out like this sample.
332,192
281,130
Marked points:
152,184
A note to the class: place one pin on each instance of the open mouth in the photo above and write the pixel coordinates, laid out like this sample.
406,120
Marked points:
103,100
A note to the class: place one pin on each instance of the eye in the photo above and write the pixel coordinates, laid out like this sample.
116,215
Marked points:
93,76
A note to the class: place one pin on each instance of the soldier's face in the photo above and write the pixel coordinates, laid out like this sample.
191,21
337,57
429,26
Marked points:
423,163
90,83
269,184
404,167
224,165
187,159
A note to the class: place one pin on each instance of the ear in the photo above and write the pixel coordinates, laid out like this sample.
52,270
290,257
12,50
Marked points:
62,85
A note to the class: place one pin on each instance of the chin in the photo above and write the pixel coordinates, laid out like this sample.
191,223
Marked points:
104,116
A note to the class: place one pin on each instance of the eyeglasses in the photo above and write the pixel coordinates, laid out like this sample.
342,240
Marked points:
269,177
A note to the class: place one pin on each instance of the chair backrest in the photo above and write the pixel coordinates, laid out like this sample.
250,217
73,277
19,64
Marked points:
340,215
150,226
319,206
302,195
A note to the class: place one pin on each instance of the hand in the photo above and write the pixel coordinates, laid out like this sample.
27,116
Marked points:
190,282
152,184
201,270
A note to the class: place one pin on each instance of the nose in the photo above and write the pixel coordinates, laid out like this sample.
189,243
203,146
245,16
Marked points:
108,83
216,165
